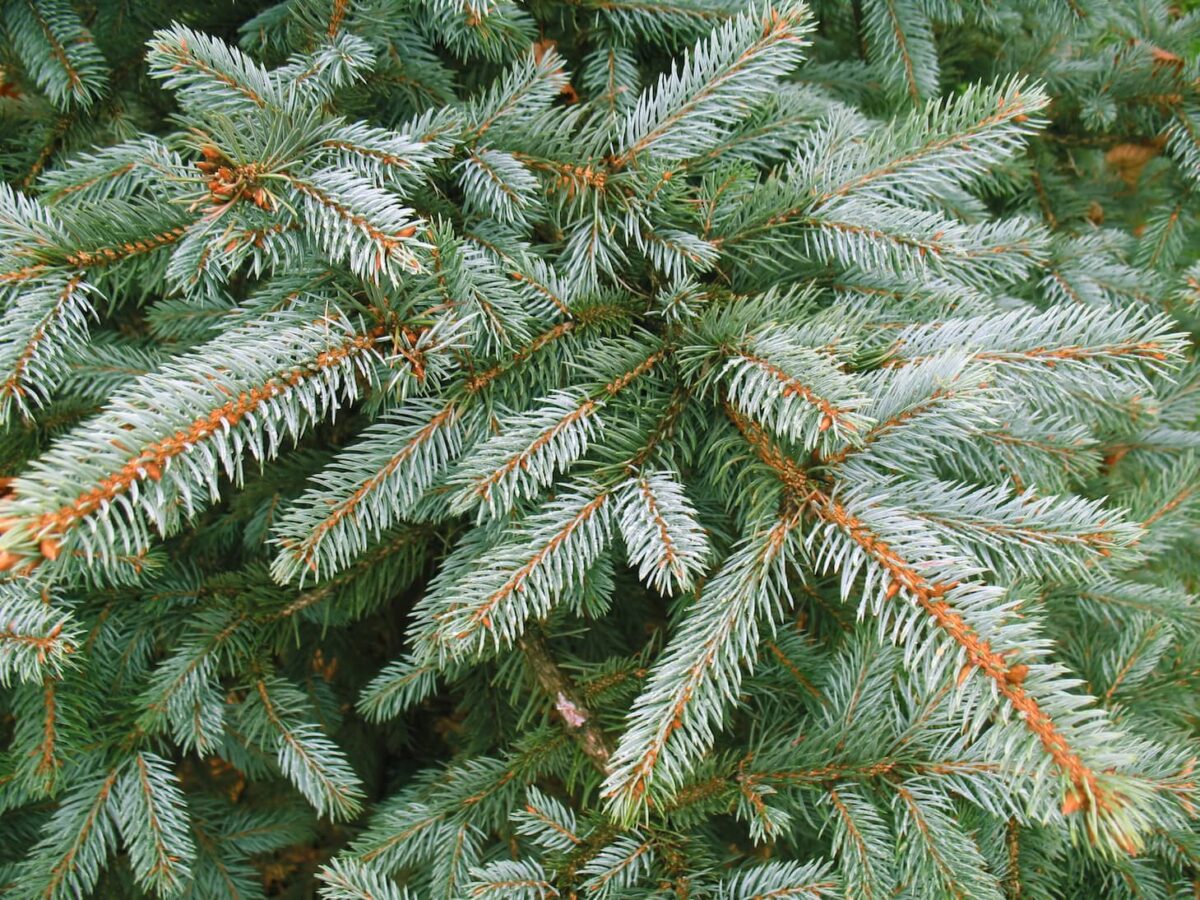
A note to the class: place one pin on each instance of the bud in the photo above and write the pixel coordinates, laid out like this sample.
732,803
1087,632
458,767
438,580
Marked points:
1073,802
1016,675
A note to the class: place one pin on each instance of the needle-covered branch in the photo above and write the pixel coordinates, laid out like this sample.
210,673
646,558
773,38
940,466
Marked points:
623,448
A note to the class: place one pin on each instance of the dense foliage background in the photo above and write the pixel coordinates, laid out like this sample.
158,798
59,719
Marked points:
609,448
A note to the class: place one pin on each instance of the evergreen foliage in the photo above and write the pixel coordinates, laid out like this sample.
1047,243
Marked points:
607,449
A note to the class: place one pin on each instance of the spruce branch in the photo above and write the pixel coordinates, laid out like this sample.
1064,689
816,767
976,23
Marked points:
345,879
899,39
661,534
312,762
658,454
146,452
58,51
941,146
208,73
77,839
547,821
516,879
38,635
52,315
398,687
679,118
332,523
355,223
673,721
619,865
859,832
129,168
667,20
527,453
531,567
1086,790
184,692
529,450
154,824
781,879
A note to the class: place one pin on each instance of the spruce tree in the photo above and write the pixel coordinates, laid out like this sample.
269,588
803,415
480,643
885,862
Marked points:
605,449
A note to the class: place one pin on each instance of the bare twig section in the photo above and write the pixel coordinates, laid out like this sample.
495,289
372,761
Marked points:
568,703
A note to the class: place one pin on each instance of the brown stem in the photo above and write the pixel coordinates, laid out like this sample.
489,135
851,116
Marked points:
576,718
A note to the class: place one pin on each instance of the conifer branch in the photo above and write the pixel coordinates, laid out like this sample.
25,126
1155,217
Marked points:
1085,790
105,256
125,473
656,460
344,879
549,551
204,68
48,755
672,721
26,370
731,64
419,442
312,762
58,51
661,533
37,637
82,838
901,38
155,824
